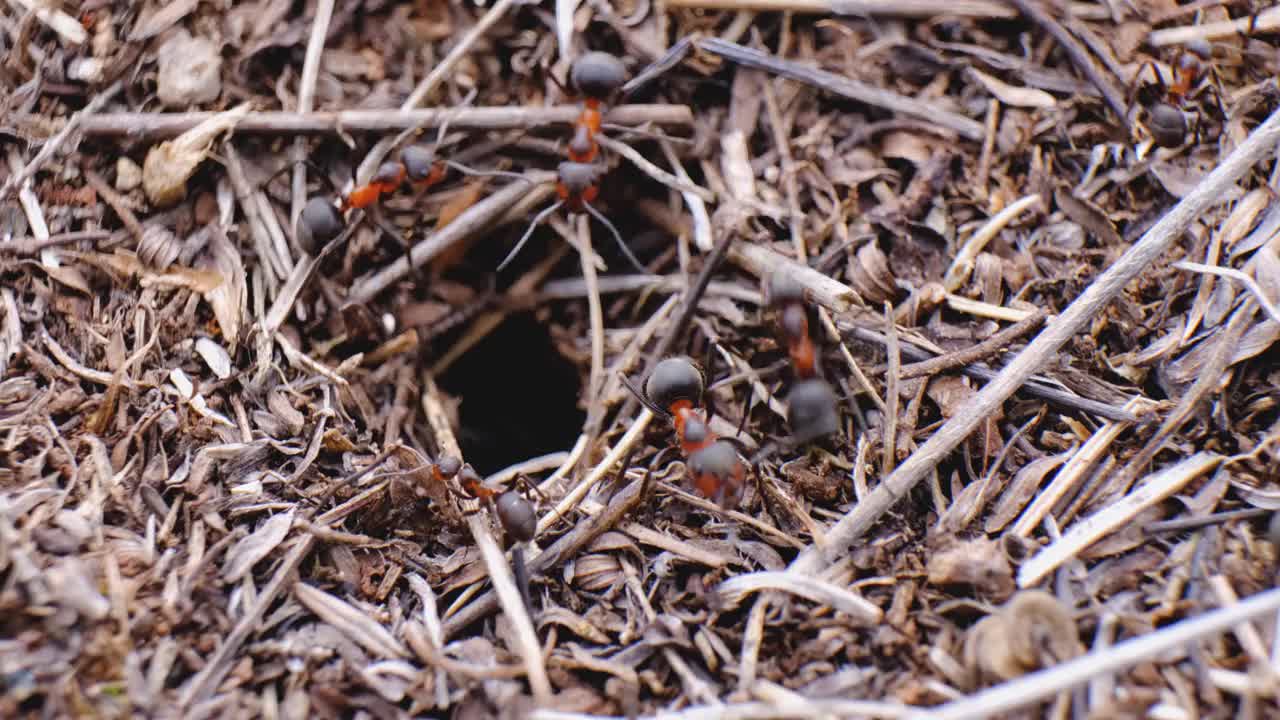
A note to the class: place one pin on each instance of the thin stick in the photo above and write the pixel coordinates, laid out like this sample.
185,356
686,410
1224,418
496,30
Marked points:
52,144
595,313
862,8
158,126
654,171
307,97
561,550
509,596
1078,54
1260,143
1266,21
847,87
974,353
962,265
1030,689
1249,283
475,219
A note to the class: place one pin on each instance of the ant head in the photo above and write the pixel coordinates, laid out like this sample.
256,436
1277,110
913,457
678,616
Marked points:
1167,124
597,75
783,289
418,162
517,516
389,172
578,177
673,380
718,472
448,466
319,223
811,410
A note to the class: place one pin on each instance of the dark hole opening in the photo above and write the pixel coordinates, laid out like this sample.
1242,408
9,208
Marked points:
519,396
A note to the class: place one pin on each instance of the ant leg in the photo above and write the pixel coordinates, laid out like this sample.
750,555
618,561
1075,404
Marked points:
528,234
629,384
617,238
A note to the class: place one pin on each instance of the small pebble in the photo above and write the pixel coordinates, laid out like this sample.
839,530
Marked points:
128,175
190,71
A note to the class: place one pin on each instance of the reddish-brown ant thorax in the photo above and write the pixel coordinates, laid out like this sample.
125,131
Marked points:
319,223
389,176
472,483
672,381
517,515
794,321
811,410
583,147
597,75
718,473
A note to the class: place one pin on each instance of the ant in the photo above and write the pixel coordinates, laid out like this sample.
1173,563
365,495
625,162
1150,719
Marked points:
514,512
1165,118
516,516
811,406
417,165
674,389
597,76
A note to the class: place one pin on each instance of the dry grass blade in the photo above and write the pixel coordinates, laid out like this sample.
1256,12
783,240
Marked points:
733,591
350,621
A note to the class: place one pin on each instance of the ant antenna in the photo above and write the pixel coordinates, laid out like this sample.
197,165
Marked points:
468,170
617,237
528,234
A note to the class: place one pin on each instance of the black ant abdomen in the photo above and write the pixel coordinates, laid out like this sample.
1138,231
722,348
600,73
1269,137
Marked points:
673,380
517,516
597,75
811,410
319,223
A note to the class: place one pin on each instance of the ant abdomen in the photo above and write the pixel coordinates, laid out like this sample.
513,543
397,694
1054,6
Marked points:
673,380
319,223
811,410
597,75
517,516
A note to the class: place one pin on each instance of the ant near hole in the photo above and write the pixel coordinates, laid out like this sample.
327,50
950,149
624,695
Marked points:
811,406
597,77
674,389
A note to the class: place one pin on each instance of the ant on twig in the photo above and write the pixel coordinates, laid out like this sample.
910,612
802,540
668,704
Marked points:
515,514
597,77
674,390
417,166
811,406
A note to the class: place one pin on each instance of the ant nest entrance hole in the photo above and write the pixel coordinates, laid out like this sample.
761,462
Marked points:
519,396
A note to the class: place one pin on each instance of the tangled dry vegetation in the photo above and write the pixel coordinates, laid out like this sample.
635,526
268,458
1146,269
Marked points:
1035,245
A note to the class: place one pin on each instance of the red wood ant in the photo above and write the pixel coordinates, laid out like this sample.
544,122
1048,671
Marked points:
597,76
674,388
811,406
1165,118
514,512
417,165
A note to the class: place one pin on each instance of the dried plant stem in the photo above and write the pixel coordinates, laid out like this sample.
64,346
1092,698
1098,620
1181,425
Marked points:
595,313
307,96
509,596
840,85
52,144
619,451
551,558
475,219
654,171
158,126
1030,689
1078,54
59,21
962,265
974,353
903,9
1260,143
1266,21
